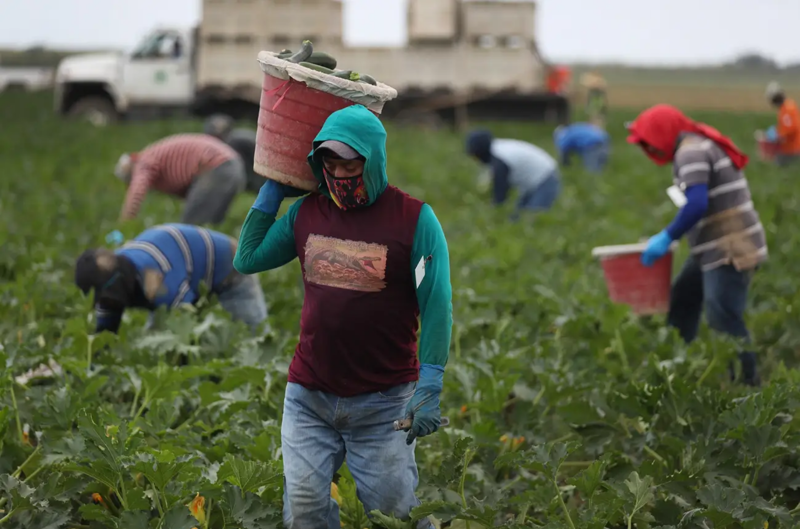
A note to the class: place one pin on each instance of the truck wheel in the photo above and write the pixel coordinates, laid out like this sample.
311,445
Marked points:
98,111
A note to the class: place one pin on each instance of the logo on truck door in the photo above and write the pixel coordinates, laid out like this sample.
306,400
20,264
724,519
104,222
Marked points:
160,77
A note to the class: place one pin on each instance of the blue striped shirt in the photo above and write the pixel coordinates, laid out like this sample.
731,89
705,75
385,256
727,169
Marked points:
185,256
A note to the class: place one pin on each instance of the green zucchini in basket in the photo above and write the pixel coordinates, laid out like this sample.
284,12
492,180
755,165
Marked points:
342,74
364,78
303,53
285,53
316,67
322,59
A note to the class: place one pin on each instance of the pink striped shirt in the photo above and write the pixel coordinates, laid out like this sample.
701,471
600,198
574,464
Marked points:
171,164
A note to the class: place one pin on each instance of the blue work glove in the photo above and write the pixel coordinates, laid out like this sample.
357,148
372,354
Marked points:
657,247
271,195
423,408
115,237
772,134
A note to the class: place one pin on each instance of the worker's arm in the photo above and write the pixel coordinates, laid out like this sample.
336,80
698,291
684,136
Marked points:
141,180
691,213
501,183
434,292
108,319
565,146
264,243
694,172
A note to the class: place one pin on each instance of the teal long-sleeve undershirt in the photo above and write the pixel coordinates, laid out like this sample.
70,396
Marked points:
266,243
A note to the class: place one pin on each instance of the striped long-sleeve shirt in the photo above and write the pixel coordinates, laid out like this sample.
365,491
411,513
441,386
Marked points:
730,232
171,261
171,164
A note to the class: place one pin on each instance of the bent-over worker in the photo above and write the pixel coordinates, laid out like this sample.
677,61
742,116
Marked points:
199,168
517,164
725,235
242,140
164,266
373,260
588,141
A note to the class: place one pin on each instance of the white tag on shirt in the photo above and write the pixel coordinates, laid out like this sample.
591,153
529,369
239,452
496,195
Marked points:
677,196
419,271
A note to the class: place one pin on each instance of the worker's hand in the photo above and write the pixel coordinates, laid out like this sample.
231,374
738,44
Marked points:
657,247
423,408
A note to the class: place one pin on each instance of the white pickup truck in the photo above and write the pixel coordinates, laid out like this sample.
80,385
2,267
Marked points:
158,78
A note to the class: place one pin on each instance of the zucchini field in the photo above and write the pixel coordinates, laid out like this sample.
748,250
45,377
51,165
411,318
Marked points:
613,423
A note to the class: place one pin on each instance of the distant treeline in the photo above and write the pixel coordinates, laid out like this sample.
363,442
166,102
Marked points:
36,56
750,62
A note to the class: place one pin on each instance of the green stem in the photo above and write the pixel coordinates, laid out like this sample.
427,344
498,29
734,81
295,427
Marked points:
123,494
562,438
467,458
190,418
208,513
458,342
538,396
621,350
145,403
89,340
158,504
630,521
654,455
564,505
577,463
19,468
7,517
16,410
523,513
32,474
135,400
709,368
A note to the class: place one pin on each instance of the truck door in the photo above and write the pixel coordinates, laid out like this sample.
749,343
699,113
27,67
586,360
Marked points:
159,71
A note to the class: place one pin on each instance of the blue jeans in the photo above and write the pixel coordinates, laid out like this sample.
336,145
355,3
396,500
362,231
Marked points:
542,197
244,300
721,291
595,158
320,430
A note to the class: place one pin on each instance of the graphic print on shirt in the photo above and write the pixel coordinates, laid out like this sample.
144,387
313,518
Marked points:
351,265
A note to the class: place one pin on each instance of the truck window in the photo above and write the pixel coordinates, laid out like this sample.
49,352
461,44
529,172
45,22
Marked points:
160,46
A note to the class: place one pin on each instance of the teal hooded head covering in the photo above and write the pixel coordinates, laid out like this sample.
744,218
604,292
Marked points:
359,128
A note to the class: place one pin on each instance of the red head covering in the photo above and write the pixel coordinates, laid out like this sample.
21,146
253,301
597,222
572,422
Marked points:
659,126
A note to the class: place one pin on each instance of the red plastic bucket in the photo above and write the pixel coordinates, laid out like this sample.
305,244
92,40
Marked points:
290,117
646,289
766,150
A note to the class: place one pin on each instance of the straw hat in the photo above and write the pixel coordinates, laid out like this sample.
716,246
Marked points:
773,89
592,80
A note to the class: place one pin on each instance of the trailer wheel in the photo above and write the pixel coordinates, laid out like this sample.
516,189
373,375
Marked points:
99,111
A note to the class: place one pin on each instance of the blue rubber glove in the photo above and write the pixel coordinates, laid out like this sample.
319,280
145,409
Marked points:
772,134
272,194
115,237
423,408
657,247
269,198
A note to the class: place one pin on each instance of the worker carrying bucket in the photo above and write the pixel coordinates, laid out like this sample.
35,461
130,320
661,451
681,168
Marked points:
374,259
726,239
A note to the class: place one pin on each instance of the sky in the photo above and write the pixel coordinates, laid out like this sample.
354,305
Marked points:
663,32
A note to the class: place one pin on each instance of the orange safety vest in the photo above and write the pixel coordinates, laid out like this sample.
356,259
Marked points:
789,127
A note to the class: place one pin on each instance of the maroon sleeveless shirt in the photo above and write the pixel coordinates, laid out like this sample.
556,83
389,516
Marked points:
358,329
